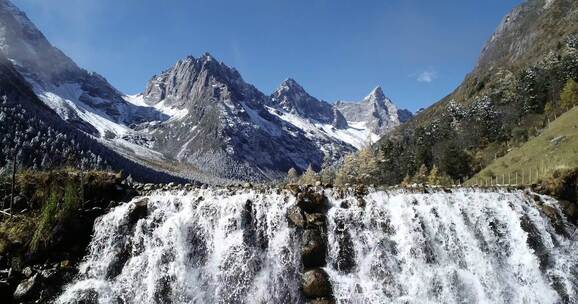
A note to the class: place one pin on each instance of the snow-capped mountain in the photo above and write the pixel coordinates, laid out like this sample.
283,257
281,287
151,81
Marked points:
81,97
292,98
198,119
227,129
375,112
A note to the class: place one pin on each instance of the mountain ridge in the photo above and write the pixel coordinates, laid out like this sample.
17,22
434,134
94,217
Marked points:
198,119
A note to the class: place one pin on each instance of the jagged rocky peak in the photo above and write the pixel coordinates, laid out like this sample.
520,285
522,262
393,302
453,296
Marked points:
376,111
376,96
192,79
292,97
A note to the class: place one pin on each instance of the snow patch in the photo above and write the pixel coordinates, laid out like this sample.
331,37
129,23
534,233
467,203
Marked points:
357,134
173,113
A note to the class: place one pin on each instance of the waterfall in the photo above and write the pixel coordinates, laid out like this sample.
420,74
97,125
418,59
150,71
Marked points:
237,246
204,246
459,247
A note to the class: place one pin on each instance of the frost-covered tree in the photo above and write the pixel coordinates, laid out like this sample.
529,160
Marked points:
292,176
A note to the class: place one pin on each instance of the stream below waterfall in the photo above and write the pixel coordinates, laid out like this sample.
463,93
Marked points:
237,246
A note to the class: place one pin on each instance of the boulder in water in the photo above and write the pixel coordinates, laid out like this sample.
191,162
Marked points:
27,289
295,216
314,249
140,210
311,201
316,284
321,301
315,219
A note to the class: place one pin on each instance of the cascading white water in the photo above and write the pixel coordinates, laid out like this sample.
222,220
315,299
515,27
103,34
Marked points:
204,246
218,246
461,247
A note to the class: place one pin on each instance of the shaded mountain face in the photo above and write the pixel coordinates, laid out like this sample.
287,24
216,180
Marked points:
377,111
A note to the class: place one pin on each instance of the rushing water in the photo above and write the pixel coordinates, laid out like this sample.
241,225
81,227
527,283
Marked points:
460,247
218,246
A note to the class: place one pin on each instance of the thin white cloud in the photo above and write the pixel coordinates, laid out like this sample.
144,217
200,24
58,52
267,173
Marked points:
427,76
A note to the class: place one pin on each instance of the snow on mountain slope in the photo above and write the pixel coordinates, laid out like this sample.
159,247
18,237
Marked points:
198,115
172,113
356,134
84,98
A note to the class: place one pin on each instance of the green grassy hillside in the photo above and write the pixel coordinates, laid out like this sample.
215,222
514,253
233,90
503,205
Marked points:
555,148
510,95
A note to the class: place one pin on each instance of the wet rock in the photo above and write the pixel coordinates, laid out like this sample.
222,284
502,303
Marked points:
293,188
555,219
321,301
27,272
28,289
295,216
314,249
315,219
570,209
534,241
360,190
315,284
49,274
140,210
313,202
345,260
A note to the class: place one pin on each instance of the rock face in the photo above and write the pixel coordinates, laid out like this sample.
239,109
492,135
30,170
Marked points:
376,111
291,97
227,129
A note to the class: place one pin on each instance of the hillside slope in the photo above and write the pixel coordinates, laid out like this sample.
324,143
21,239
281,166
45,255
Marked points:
40,139
555,148
509,95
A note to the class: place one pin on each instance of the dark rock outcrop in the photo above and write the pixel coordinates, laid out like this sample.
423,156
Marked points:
314,249
316,284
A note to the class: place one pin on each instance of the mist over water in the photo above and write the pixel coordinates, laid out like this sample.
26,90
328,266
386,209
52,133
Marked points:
218,246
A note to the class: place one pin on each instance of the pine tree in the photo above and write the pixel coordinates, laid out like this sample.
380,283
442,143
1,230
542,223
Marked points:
406,181
434,176
569,95
292,176
348,170
422,175
309,177
367,163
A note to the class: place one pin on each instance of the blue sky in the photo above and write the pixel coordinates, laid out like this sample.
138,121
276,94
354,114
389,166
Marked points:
417,50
